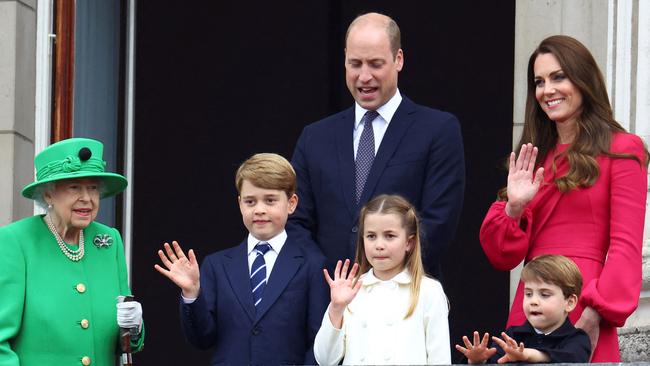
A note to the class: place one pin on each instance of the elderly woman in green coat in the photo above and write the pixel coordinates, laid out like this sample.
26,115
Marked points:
61,273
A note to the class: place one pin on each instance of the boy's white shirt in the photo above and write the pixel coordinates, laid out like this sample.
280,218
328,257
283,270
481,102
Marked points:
379,124
374,330
276,243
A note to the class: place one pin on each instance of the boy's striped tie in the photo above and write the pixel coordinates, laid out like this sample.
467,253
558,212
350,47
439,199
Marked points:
258,272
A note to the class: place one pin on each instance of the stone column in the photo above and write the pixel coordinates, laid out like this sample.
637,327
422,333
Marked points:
632,91
617,32
17,83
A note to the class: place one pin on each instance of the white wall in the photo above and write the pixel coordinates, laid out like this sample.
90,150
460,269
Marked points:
17,89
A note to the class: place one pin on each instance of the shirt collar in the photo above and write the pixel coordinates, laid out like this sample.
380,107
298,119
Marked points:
276,242
386,111
402,278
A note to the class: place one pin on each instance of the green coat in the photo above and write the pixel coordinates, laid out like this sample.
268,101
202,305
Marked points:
54,311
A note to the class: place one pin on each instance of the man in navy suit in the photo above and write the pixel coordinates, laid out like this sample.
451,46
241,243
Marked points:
261,302
417,152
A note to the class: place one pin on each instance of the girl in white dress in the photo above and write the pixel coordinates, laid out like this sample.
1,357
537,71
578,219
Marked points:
392,313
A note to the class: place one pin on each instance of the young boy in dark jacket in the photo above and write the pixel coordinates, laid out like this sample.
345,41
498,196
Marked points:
552,285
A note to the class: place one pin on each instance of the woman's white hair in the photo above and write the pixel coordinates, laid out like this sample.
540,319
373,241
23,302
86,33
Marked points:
39,193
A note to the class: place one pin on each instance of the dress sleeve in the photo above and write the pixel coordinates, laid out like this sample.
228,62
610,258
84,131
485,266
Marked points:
123,274
503,240
12,298
436,328
329,345
615,293
121,264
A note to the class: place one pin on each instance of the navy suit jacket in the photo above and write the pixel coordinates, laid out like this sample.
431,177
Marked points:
567,344
420,157
283,328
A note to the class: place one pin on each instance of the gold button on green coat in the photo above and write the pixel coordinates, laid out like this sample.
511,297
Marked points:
81,288
40,317
85,361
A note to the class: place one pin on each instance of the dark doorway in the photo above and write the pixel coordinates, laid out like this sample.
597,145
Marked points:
218,82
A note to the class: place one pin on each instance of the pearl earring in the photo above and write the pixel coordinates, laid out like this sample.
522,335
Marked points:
49,206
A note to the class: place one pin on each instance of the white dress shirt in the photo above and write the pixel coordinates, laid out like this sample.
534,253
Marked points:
379,125
276,243
375,332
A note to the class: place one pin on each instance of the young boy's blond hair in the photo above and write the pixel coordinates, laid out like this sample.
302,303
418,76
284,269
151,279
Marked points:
267,171
557,270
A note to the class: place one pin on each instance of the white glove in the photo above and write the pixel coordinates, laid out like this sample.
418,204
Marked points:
129,315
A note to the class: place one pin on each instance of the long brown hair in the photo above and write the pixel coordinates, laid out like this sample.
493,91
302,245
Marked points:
594,127
394,204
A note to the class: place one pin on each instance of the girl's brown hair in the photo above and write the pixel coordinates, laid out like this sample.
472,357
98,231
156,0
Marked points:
394,204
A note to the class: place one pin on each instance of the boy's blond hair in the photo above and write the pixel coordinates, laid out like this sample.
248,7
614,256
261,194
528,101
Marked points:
267,171
557,270
394,204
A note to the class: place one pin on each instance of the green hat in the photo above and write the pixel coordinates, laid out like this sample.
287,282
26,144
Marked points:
74,158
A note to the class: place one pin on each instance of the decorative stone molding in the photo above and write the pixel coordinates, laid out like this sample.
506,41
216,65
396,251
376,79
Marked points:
635,344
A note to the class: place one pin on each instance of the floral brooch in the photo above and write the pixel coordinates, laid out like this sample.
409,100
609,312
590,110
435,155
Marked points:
103,241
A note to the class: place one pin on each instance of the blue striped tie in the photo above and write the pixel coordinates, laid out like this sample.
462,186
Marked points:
258,272
365,153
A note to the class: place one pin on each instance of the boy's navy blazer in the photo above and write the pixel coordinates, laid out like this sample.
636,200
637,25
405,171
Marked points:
281,330
420,157
567,344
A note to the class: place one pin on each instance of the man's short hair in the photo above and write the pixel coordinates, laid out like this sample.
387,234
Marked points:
392,30
267,171
554,269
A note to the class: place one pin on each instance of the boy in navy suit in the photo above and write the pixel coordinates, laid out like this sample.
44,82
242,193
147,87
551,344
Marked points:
262,301
552,285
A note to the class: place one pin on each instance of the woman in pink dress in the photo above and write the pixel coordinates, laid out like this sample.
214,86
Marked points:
578,188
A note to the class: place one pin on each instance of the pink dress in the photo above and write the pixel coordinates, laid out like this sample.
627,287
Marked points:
600,228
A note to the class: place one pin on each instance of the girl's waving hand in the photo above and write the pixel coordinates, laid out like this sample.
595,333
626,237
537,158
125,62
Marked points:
343,288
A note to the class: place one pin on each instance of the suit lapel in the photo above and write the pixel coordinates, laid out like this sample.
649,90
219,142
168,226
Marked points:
346,158
236,269
286,265
400,123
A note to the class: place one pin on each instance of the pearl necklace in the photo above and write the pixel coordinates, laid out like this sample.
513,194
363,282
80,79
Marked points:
73,255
